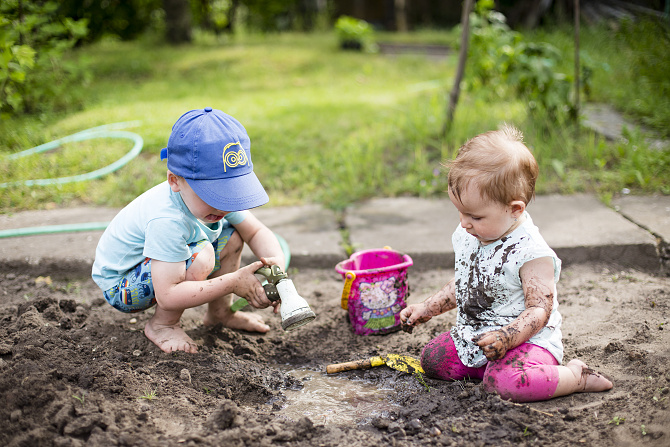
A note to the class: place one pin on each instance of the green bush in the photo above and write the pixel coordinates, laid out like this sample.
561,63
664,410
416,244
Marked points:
533,74
500,59
34,76
354,34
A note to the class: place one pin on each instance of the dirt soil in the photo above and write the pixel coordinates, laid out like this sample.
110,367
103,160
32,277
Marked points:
74,371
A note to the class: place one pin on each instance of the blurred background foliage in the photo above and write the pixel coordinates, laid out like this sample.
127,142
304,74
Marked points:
328,125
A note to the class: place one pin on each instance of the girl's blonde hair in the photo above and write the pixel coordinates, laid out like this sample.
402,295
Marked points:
499,163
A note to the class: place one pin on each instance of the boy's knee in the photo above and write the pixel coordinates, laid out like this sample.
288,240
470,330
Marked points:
232,252
234,245
202,265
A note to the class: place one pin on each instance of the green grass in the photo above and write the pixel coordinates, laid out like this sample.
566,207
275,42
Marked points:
326,126
630,64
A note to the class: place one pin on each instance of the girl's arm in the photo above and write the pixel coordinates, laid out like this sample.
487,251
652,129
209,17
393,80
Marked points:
537,280
439,303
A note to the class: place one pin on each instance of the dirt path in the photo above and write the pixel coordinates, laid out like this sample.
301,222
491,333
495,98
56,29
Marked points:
74,372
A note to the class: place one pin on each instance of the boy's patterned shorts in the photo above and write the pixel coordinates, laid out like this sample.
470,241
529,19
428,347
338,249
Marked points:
135,291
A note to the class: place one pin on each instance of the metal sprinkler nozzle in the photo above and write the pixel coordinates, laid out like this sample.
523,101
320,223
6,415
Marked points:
273,274
295,311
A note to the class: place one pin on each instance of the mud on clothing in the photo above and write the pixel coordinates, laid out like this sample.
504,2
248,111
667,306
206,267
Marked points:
527,373
489,293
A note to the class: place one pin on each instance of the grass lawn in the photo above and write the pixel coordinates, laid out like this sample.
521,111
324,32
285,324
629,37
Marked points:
326,126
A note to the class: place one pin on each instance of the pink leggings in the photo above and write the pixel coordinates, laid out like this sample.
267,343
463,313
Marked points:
527,373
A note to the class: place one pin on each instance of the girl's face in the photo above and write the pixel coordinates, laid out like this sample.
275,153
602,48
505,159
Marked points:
195,204
485,219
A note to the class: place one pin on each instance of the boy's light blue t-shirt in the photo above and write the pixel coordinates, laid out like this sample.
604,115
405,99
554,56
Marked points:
156,225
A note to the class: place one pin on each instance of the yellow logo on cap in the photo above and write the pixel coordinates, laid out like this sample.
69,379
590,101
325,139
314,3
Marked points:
234,159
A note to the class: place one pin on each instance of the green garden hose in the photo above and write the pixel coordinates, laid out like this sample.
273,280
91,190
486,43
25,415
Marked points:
52,229
106,131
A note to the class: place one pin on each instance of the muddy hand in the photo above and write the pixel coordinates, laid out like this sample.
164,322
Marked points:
494,344
404,324
413,315
249,287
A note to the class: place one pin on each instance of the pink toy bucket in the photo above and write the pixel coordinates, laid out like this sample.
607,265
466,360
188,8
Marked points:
375,289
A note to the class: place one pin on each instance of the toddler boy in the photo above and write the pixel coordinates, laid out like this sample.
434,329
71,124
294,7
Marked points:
179,244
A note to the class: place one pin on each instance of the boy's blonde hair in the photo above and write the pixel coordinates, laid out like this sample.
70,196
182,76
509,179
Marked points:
498,163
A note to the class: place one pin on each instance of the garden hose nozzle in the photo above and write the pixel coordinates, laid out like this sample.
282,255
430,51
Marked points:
295,311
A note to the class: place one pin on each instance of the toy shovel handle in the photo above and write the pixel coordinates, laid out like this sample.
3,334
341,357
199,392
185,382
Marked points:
348,366
356,364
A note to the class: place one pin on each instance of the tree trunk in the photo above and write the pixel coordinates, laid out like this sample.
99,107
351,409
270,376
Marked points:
460,71
577,67
359,9
400,16
525,13
177,21
232,17
205,11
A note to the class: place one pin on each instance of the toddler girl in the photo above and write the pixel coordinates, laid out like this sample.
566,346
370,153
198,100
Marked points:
508,330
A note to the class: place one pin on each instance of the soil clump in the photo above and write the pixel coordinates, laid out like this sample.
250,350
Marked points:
76,372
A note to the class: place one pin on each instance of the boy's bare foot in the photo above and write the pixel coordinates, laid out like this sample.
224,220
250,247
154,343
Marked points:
589,380
246,321
169,338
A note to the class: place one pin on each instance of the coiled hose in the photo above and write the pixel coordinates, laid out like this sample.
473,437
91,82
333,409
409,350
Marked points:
105,131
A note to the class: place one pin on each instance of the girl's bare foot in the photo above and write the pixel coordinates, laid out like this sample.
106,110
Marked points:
588,380
246,321
169,337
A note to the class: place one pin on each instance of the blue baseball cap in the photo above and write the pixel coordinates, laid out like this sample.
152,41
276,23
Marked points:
212,151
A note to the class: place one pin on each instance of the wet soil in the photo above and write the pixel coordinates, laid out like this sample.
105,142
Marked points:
75,372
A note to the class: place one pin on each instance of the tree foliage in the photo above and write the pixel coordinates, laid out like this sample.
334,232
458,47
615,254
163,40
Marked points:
126,19
501,60
270,15
33,39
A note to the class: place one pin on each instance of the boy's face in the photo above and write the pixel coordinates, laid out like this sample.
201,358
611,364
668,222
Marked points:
485,219
195,204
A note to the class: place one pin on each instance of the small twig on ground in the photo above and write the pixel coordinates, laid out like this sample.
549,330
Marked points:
532,409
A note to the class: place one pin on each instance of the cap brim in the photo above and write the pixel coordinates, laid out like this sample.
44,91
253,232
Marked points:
231,194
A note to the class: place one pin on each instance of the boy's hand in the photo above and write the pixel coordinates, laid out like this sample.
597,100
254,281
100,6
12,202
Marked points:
248,286
272,260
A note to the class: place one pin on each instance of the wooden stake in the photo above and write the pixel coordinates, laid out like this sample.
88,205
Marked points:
462,59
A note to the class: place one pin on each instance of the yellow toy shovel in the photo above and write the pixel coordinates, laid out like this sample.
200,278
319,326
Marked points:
398,362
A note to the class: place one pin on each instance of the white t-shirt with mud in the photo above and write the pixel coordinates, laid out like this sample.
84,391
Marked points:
489,293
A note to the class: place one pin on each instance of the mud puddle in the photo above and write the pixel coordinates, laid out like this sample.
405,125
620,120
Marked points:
328,399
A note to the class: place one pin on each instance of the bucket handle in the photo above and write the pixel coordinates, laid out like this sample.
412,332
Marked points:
348,281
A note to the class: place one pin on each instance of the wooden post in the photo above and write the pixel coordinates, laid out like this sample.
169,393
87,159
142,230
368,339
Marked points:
400,16
177,21
577,68
460,70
